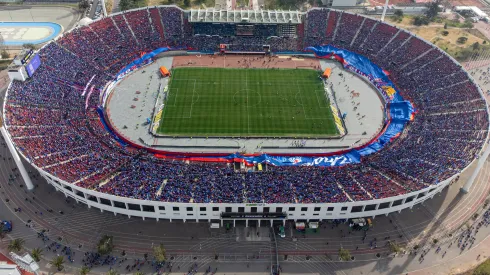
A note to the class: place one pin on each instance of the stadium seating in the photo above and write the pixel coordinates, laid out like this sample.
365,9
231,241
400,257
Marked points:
49,123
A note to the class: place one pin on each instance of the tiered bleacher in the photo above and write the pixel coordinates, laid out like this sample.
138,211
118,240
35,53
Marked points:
48,121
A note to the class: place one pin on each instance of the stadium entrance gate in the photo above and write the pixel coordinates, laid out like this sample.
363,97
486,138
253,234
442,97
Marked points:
253,219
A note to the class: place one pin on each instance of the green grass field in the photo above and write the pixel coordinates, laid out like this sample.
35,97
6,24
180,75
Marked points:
246,102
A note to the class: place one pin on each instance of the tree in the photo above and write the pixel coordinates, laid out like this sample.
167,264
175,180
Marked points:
29,46
344,254
462,40
36,254
4,54
159,253
112,272
84,270
445,33
399,13
476,46
445,26
125,5
16,245
187,3
83,4
421,20
394,247
433,9
139,273
468,23
105,245
58,262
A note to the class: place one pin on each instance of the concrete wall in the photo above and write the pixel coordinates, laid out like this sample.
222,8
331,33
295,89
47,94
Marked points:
211,211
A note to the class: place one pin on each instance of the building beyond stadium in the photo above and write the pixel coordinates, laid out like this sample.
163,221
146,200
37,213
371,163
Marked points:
56,124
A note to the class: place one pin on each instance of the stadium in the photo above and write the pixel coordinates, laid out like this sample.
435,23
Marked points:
430,120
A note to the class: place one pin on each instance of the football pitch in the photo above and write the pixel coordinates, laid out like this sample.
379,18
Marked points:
246,102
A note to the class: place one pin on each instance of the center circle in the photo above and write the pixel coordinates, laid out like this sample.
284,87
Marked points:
247,98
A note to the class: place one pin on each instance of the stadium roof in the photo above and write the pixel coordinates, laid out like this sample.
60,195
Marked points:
245,16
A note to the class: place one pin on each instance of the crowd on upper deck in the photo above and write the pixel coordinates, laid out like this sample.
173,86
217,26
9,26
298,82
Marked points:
50,124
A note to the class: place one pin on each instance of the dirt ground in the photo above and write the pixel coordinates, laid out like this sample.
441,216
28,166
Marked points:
245,61
466,3
449,42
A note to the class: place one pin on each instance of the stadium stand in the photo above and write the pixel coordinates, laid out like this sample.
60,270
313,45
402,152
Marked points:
50,125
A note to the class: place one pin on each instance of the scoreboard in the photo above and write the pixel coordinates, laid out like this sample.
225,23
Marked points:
33,65
24,65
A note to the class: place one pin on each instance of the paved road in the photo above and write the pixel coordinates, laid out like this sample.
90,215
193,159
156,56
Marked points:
91,14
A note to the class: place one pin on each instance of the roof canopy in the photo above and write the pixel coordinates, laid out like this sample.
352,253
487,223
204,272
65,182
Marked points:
245,16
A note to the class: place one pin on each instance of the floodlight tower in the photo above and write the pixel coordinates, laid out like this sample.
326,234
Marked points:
384,11
16,158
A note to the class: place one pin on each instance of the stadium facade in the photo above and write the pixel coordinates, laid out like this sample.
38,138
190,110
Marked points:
447,133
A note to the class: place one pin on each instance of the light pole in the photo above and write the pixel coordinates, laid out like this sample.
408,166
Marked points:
384,11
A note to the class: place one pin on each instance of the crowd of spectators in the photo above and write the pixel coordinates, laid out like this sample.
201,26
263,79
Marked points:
143,29
347,29
51,125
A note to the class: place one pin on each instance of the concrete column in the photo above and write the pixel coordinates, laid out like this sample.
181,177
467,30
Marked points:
384,10
481,161
234,223
283,222
86,199
258,222
103,8
221,223
246,223
271,223
17,160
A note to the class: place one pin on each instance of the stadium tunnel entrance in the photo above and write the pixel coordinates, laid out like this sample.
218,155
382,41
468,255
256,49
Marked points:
244,219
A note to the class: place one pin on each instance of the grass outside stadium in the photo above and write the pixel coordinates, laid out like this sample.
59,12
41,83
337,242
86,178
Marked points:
247,103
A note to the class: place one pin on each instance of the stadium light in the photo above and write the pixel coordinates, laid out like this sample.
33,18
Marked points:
384,11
